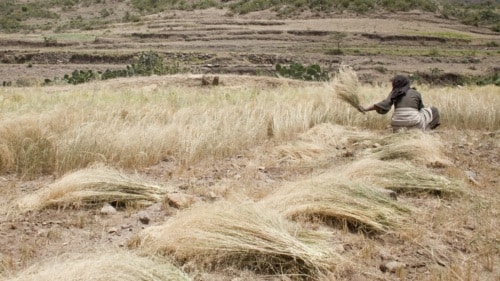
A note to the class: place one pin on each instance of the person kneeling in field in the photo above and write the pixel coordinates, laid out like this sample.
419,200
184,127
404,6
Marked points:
409,110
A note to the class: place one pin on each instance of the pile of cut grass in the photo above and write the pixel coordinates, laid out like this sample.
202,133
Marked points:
335,199
402,177
320,141
117,266
412,145
91,186
244,235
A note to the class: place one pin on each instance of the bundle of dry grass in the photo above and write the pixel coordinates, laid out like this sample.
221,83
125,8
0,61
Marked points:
413,145
346,86
215,236
117,266
402,177
321,141
92,186
337,200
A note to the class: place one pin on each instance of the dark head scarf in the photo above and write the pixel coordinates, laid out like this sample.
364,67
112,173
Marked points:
400,85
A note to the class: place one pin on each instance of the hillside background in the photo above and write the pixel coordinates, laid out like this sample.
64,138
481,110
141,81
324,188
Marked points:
437,42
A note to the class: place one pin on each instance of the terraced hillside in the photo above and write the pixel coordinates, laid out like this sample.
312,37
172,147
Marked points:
219,40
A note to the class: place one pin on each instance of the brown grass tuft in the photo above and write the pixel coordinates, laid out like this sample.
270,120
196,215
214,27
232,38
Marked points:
117,266
243,235
93,186
338,200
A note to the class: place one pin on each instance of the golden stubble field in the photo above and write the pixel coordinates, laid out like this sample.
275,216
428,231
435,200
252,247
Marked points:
255,179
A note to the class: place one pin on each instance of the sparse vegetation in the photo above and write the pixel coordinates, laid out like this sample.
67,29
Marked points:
13,15
359,6
148,63
477,13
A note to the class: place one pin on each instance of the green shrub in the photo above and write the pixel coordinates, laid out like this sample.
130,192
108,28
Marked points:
105,13
433,52
110,74
335,52
80,76
149,63
128,17
50,41
298,71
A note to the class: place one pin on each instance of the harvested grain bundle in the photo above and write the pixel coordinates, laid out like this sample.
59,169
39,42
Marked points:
117,266
346,86
402,177
92,186
242,235
336,199
412,145
318,142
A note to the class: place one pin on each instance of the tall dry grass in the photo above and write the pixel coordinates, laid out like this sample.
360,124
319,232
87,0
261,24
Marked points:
120,123
244,235
99,266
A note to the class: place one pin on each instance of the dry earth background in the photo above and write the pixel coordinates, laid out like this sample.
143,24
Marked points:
448,240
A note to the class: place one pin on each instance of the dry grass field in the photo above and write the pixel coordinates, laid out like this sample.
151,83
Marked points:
257,177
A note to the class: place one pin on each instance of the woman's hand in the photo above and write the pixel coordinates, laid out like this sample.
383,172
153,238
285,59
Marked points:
363,109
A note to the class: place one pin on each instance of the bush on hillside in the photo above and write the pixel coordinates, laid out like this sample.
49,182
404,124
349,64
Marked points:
148,63
298,71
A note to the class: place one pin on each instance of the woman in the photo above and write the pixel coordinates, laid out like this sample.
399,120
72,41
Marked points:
409,110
